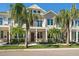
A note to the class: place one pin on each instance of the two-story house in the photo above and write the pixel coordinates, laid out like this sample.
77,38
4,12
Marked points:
38,31
74,30
5,23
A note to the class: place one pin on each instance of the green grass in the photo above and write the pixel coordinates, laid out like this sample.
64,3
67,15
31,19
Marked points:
12,47
55,46
40,46
45,46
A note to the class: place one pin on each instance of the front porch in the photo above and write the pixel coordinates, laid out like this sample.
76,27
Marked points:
38,35
4,34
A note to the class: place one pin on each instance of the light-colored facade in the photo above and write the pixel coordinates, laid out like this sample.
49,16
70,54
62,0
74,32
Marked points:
38,31
5,23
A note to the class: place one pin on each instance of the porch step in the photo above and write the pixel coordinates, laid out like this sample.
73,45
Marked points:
3,43
32,44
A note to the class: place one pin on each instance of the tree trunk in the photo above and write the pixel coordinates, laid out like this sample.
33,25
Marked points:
68,33
18,38
26,39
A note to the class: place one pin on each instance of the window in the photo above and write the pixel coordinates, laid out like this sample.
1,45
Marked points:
1,34
9,20
74,35
76,22
39,35
1,21
33,11
50,21
39,23
72,22
38,11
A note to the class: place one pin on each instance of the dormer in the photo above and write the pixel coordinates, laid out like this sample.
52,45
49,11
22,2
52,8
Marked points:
36,9
50,18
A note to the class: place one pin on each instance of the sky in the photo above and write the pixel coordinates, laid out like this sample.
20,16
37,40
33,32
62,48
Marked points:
56,7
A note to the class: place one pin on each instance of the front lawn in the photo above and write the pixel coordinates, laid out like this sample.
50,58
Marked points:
40,46
55,46
12,47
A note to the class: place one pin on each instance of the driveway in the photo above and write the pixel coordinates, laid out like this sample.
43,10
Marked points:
41,52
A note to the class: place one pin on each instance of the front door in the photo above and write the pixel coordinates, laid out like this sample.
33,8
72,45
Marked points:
32,37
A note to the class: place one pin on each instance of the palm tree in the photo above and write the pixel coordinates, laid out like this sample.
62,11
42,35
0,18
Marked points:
28,18
16,31
65,17
54,33
16,13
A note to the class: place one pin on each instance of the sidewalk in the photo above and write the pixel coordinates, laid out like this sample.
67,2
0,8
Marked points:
44,49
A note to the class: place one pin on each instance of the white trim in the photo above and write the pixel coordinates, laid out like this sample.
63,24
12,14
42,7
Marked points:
51,12
35,5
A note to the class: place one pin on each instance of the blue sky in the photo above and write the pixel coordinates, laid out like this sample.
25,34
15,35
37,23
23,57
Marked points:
56,7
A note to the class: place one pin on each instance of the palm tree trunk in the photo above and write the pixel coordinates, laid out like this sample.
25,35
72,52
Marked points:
26,39
18,37
68,33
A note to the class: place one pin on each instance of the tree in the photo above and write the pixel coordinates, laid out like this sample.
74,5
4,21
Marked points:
28,18
54,33
17,31
16,12
65,17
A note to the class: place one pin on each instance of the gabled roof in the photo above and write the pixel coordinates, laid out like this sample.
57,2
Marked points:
34,6
50,11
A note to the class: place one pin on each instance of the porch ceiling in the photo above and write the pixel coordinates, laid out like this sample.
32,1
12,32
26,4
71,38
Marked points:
40,30
4,28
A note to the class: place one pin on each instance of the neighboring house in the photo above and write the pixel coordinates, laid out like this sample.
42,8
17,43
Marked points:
5,23
38,31
74,31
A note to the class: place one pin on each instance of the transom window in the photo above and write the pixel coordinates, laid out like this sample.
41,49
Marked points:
1,21
49,21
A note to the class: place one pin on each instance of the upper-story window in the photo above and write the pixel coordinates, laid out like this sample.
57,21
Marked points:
38,11
39,23
33,11
76,22
49,21
9,20
1,20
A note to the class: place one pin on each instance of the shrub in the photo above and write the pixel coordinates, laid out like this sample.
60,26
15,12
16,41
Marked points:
21,40
14,41
50,40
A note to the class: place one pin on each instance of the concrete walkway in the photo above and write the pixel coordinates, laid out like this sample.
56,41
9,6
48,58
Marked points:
41,52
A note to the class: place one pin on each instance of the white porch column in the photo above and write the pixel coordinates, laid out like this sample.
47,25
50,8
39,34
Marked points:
76,36
36,35
9,34
46,35
70,35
